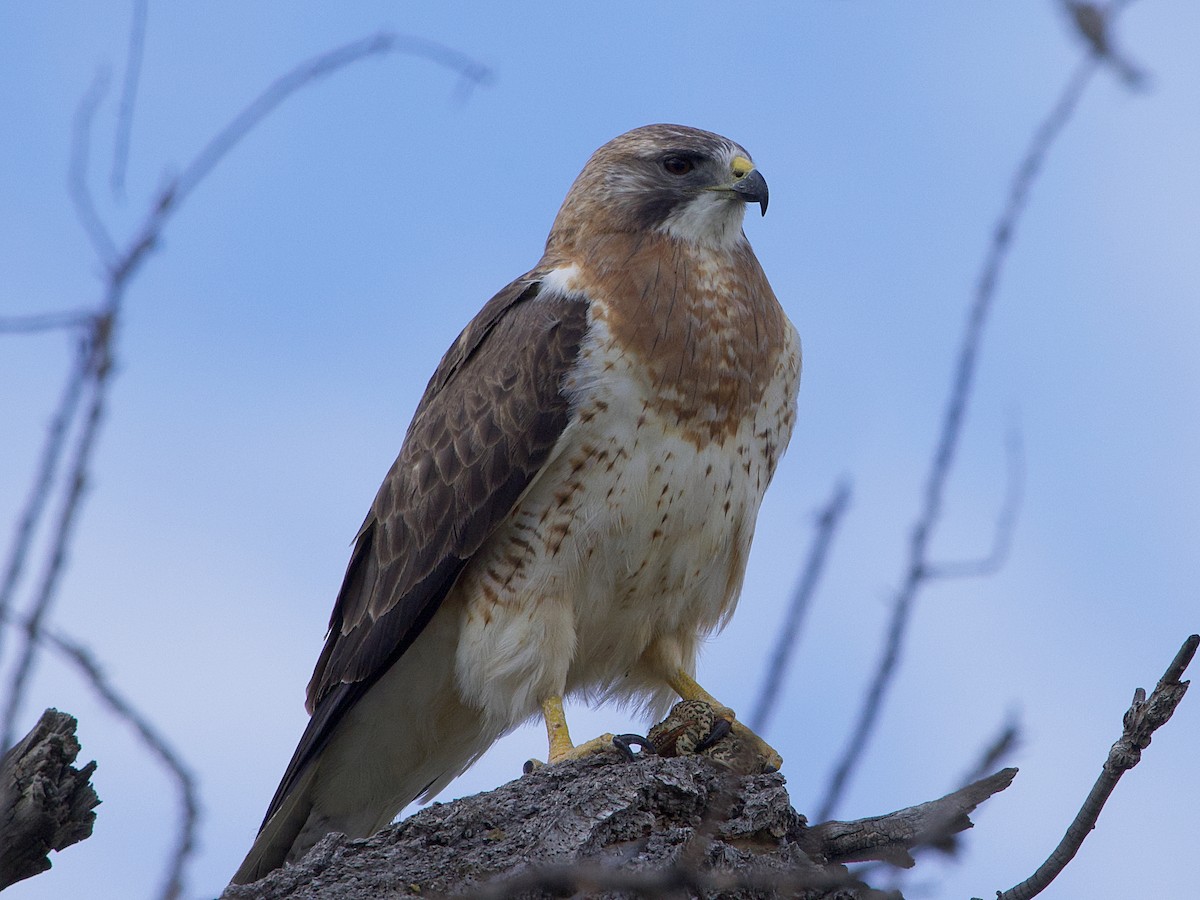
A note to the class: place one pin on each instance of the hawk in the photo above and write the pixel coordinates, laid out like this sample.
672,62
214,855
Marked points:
572,508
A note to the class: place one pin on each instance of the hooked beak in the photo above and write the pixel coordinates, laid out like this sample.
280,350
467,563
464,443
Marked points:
751,187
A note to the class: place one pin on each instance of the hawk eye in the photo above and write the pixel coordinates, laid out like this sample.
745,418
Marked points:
678,165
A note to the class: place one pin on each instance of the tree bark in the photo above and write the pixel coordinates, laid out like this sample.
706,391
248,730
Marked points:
45,802
602,827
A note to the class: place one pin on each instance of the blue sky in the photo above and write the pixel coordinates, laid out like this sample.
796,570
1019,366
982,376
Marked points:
273,349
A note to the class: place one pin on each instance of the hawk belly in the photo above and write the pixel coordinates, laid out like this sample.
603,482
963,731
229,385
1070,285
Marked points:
627,550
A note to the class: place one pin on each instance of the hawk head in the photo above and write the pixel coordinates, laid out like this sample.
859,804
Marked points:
690,184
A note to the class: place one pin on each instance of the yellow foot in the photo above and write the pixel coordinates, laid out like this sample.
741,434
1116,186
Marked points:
561,748
602,744
686,687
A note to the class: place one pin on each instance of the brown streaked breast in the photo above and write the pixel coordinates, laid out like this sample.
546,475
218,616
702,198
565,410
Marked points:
701,325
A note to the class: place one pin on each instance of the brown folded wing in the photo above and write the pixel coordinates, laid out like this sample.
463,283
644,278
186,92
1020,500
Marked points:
482,432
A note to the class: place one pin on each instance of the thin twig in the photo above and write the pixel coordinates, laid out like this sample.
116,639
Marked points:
185,781
918,570
471,72
1006,522
43,481
1092,25
998,749
77,173
786,641
696,849
99,367
172,196
129,86
83,659
63,320
1141,720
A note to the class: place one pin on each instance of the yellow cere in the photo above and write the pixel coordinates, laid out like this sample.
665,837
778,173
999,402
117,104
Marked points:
741,167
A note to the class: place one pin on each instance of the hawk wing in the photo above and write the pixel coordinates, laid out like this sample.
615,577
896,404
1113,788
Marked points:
484,429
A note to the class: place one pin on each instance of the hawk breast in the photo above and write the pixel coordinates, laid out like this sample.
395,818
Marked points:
632,543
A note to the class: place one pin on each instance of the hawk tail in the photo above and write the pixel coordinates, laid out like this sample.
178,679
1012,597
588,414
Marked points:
279,839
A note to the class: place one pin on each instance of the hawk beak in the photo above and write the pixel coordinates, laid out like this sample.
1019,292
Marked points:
751,187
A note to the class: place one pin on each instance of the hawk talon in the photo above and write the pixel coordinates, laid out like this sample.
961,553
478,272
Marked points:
626,742
530,766
720,730
686,687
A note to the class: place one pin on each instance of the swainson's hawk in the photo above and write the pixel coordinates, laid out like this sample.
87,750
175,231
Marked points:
572,508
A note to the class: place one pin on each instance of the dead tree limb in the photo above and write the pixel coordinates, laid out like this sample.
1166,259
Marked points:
1142,719
45,802
891,838
601,826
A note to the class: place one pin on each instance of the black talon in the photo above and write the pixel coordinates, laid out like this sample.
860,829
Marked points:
626,742
719,731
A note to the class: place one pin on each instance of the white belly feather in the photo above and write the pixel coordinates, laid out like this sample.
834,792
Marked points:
626,551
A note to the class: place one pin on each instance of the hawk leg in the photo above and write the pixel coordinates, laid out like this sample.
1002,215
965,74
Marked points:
686,687
559,736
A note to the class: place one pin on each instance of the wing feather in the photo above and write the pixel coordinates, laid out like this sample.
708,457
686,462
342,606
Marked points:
485,426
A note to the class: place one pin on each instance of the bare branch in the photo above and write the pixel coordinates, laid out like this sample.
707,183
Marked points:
36,322
77,173
1006,521
786,641
471,72
43,481
96,373
1007,739
83,660
997,751
185,781
129,86
1092,21
892,837
1141,720
917,568
177,190
949,842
